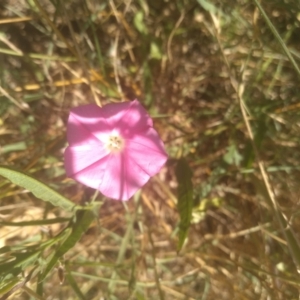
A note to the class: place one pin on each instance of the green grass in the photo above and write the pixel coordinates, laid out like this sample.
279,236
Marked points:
221,80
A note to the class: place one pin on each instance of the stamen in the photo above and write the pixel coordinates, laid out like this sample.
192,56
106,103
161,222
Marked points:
115,143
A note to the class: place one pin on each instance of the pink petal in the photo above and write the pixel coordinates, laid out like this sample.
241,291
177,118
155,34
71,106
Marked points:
128,117
92,175
108,176
85,124
122,177
115,180
84,159
127,172
147,152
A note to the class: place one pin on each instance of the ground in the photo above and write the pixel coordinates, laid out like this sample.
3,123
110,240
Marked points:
223,91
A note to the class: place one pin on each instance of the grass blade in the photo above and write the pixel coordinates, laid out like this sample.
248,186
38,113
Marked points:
74,285
35,222
278,37
185,199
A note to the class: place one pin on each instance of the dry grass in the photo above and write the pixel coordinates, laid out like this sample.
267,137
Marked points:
174,57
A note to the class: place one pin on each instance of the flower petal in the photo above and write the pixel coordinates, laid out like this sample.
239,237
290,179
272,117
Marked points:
125,173
81,160
85,124
114,179
128,117
122,179
147,151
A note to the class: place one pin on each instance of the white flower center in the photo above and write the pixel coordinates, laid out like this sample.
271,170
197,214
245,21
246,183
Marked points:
115,143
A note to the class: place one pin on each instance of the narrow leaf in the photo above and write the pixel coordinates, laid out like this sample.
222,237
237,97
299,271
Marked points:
13,147
79,226
139,24
74,285
35,222
40,285
36,187
208,6
9,285
20,263
20,284
185,199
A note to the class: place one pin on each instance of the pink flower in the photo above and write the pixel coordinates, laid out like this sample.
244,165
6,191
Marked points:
114,149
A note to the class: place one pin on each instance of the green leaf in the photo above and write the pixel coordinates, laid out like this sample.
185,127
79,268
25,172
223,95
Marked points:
35,222
36,187
138,22
40,286
7,286
185,199
232,156
20,262
74,285
155,52
208,6
139,296
80,225
13,147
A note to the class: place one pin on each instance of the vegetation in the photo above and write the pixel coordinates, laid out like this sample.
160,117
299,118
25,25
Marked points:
221,81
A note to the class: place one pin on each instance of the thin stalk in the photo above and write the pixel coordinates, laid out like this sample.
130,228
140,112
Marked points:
278,37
